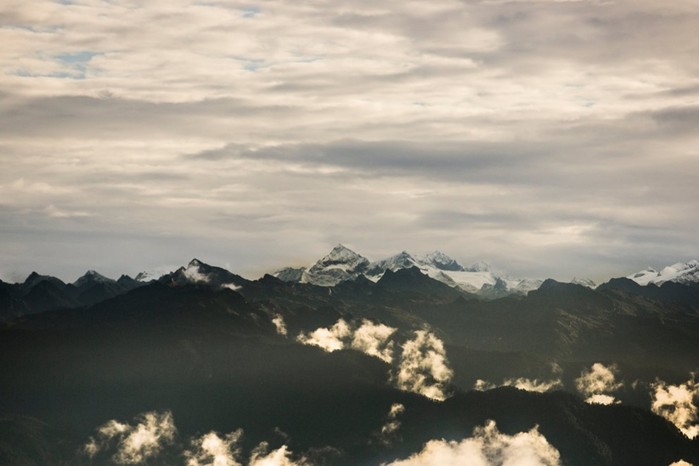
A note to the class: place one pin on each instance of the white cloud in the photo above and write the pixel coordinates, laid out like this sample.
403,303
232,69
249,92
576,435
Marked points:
329,339
212,450
279,457
369,338
279,324
522,383
597,384
193,274
134,443
487,447
373,339
144,441
678,404
392,424
423,367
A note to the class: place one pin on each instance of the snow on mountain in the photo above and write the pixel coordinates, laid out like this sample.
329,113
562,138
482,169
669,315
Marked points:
402,260
344,264
92,277
584,282
340,265
681,272
441,261
153,274
193,274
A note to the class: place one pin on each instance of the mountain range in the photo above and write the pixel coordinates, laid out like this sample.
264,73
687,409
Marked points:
343,264
376,363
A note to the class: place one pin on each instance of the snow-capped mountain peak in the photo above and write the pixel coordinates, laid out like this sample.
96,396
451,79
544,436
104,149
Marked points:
480,266
586,282
92,276
193,273
680,272
339,265
441,261
341,255
343,264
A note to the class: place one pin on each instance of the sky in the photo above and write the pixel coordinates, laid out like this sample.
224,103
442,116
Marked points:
549,138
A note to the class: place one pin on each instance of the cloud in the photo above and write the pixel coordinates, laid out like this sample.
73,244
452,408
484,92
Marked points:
373,339
153,431
134,443
193,274
678,404
487,447
392,424
279,324
531,120
369,338
597,383
522,383
280,457
212,450
328,339
423,367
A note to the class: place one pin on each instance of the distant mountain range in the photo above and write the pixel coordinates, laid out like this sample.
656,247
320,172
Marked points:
343,264
681,272
39,293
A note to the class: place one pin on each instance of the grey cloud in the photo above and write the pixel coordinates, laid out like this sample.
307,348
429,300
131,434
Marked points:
541,128
468,161
76,115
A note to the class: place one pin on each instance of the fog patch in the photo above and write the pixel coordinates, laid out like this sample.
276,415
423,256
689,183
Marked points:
134,443
369,338
373,339
328,339
153,431
487,447
279,457
597,384
193,274
280,325
392,424
212,450
521,383
677,404
423,367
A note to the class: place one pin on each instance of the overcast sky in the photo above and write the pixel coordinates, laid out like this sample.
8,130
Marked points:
550,138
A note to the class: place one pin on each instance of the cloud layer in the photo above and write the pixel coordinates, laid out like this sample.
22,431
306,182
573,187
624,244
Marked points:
487,447
138,134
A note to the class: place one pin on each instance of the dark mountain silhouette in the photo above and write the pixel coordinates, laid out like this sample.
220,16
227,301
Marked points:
202,343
